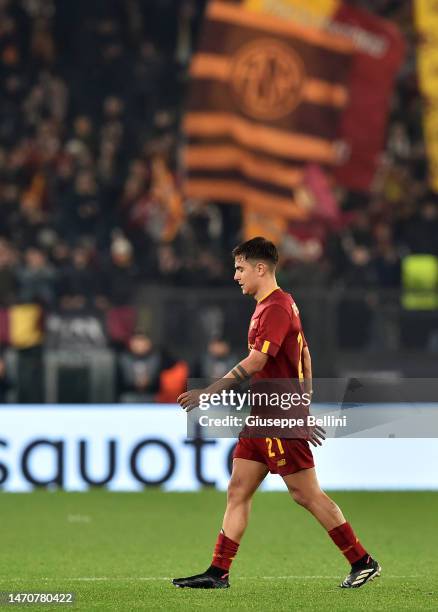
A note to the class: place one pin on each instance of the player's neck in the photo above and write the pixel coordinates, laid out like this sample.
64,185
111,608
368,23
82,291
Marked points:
266,289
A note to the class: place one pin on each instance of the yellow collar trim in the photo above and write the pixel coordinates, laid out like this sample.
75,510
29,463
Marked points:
267,295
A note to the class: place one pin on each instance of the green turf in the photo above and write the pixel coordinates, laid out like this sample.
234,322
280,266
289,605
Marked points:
116,551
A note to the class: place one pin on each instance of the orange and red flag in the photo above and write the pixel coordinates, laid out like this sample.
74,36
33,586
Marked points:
270,91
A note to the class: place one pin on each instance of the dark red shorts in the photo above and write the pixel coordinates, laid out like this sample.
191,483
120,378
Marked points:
281,455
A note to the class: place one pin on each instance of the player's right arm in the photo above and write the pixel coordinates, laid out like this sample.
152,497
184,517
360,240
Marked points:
239,374
255,362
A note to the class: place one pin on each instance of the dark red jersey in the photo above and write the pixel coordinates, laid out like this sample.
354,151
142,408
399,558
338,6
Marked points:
275,329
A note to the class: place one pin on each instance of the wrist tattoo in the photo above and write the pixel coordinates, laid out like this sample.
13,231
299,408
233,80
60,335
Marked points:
243,372
240,373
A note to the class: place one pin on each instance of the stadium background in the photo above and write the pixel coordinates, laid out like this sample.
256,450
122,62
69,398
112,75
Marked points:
116,286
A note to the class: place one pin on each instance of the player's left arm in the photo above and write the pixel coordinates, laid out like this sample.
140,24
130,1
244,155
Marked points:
307,370
241,372
316,433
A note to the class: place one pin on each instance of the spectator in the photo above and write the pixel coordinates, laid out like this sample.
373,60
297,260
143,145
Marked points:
121,274
7,274
5,383
216,361
139,369
36,279
80,209
78,285
355,312
170,266
9,205
360,271
387,258
420,233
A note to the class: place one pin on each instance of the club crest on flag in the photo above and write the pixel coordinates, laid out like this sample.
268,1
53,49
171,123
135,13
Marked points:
267,79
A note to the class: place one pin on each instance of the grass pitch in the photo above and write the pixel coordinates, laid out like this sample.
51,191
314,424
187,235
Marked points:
118,551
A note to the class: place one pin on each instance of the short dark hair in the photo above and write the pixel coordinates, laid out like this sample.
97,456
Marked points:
257,248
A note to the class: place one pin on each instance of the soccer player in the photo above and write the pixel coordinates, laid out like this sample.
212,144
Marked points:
278,349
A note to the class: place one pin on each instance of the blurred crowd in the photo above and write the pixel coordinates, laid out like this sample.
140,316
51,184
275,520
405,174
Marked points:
90,198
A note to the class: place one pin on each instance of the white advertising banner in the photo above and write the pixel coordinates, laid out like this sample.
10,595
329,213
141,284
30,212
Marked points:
127,448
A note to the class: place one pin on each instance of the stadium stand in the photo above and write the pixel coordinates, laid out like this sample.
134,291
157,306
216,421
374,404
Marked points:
93,224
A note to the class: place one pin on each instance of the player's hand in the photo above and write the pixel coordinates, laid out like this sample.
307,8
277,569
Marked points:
190,399
317,435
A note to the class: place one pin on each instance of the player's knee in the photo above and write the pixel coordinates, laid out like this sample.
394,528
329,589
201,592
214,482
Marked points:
302,498
307,498
236,492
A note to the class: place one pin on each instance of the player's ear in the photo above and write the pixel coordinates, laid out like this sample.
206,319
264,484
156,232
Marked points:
261,268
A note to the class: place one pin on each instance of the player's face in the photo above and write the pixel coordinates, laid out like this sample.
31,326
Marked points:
246,275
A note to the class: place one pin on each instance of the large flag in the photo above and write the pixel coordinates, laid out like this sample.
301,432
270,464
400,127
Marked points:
266,97
380,49
277,85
